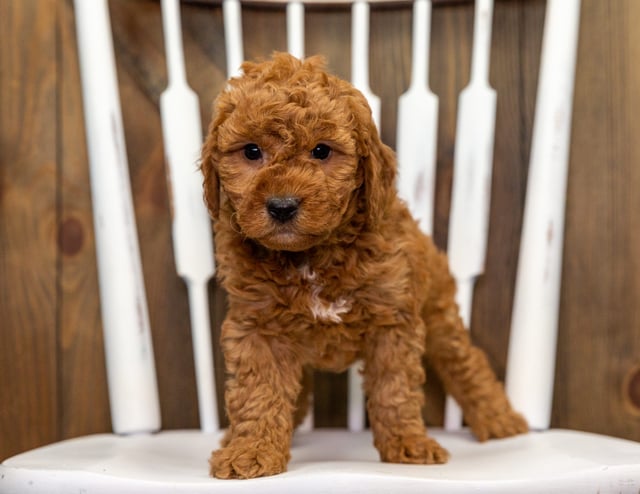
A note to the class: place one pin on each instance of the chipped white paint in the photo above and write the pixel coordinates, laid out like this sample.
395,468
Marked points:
133,392
534,323
417,132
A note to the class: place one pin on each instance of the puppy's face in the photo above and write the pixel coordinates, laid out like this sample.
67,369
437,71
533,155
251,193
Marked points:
286,150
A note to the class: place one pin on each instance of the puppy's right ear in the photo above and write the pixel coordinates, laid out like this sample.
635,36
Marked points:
209,167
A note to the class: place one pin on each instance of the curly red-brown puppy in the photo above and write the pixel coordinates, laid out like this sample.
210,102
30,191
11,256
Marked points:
323,265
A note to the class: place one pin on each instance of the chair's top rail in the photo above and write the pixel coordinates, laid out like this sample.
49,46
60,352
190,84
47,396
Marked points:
327,2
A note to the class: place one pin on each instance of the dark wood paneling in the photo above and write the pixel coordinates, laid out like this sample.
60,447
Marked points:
29,70
51,357
600,340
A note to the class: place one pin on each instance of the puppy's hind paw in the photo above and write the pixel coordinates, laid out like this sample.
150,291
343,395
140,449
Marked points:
505,424
413,449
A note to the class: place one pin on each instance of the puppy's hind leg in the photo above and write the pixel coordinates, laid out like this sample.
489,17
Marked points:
468,377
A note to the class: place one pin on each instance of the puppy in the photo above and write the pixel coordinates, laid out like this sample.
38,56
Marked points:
324,265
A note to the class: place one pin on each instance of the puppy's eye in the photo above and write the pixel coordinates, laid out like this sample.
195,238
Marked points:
252,152
321,152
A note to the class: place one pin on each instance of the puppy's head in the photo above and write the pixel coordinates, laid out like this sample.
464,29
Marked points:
293,156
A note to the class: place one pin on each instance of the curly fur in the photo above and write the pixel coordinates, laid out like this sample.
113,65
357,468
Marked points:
349,277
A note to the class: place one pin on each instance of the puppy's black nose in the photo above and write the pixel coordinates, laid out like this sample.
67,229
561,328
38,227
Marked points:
283,209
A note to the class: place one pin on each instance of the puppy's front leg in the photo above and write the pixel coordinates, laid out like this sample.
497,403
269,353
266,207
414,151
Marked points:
260,399
393,379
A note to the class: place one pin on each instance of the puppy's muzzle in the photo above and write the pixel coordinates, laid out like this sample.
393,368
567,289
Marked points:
283,209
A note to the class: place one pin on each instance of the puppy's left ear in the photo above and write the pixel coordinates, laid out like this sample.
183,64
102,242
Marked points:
208,165
378,165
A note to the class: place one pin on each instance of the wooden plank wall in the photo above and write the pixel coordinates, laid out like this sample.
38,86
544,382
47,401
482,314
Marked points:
52,378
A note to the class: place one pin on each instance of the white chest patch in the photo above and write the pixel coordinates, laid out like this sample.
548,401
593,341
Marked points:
321,309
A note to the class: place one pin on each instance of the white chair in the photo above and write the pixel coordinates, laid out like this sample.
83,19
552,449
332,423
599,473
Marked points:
137,459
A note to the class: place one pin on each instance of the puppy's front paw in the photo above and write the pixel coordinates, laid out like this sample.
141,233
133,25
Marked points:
413,449
497,424
244,459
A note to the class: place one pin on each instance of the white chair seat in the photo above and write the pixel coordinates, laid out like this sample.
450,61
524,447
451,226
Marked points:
554,461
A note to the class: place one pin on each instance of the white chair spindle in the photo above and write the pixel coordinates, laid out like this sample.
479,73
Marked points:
191,225
295,29
534,323
232,17
473,162
360,56
133,391
417,133
360,79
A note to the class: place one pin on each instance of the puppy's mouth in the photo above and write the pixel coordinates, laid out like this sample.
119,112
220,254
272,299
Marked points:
287,238
285,231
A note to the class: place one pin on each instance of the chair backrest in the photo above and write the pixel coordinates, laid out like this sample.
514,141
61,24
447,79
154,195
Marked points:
129,354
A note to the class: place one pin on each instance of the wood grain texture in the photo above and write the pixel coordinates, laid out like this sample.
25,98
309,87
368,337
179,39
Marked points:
52,378
600,317
29,386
